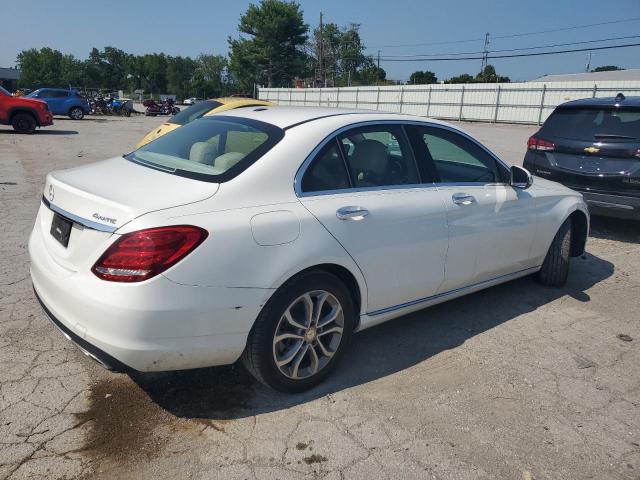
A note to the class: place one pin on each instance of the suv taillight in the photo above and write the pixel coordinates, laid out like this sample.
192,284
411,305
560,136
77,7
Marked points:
540,144
140,255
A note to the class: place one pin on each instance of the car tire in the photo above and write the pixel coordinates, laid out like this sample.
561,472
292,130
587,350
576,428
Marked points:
555,268
23,123
76,113
318,351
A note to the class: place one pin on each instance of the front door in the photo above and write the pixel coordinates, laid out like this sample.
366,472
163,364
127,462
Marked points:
365,188
491,223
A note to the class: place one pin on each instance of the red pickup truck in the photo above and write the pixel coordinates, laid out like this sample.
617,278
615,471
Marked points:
24,114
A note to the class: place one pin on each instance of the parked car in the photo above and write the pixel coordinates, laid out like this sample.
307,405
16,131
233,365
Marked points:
63,102
24,114
191,101
200,109
273,234
593,146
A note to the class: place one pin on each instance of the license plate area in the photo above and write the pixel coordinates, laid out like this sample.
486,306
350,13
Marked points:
61,229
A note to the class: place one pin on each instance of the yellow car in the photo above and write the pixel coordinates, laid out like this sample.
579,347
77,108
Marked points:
200,109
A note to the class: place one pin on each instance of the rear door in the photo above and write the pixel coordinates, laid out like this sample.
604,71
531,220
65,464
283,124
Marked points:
365,188
594,148
491,224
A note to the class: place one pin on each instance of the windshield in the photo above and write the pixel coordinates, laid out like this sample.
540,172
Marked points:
34,93
213,149
594,123
194,112
2,90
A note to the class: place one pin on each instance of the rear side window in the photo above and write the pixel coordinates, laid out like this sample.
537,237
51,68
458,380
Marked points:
327,171
379,156
194,112
593,123
213,148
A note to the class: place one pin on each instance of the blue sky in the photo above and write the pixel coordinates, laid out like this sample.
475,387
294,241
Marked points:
190,27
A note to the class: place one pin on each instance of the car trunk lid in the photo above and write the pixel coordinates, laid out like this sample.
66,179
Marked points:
99,198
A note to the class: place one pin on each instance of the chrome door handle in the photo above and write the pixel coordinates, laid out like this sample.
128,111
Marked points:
463,199
352,213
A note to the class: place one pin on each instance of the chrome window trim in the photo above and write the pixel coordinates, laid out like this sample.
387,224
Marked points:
297,182
79,220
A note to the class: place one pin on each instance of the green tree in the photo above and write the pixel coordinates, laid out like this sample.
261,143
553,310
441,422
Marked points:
48,68
607,68
423,77
464,78
273,52
489,75
210,78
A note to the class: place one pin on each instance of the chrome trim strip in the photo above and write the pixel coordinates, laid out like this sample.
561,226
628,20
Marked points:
297,182
599,203
450,292
79,220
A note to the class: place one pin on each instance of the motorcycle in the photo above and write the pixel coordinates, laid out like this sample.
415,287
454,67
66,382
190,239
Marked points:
167,107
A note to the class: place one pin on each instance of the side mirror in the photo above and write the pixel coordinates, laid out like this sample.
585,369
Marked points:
520,177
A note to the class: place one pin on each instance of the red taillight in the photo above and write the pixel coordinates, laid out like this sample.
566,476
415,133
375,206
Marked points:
140,255
541,144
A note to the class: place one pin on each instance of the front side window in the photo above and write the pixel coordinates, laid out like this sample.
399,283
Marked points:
457,159
379,156
212,148
4,92
194,112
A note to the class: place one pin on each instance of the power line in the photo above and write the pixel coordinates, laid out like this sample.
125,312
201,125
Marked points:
575,27
537,47
533,54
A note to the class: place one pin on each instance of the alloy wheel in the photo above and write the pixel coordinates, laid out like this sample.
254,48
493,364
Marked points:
308,334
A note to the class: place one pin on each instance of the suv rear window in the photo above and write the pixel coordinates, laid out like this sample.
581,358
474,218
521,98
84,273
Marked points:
213,149
193,112
594,123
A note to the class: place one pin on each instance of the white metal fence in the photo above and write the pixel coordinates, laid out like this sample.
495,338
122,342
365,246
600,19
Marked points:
529,102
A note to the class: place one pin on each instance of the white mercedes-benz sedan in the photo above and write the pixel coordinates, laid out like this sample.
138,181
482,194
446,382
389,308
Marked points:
272,234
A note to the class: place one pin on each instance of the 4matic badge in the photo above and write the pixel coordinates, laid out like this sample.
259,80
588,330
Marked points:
97,216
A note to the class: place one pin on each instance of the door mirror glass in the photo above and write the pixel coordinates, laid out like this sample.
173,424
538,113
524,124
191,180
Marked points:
520,177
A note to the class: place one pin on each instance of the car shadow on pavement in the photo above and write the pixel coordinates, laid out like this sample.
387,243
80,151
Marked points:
627,231
43,132
224,393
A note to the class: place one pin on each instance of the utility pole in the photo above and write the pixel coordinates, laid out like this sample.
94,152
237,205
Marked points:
320,60
588,66
378,72
485,51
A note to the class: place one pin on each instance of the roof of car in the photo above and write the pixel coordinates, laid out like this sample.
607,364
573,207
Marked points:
604,102
287,117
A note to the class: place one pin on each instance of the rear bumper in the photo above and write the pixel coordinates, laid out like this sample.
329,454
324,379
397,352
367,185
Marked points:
612,205
155,325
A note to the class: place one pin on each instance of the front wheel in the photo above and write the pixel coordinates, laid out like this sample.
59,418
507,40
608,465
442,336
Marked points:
301,333
23,123
76,113
555,268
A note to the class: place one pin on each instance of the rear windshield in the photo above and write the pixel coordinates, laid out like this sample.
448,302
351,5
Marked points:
589,124
213,149
194,112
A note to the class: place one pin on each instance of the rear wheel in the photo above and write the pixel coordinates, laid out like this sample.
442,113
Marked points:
23,123
301,333
555,268
76,113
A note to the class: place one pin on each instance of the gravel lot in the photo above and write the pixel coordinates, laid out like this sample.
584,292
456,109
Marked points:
515,382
